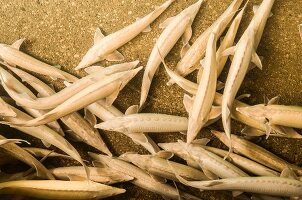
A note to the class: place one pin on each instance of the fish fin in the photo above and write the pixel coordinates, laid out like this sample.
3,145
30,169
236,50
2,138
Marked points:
17,44
66,83
252,132
90,117
242,96
132,110
184,49
165,23
164,154
57,66
209,174
73,136
289,173
215,112
185,40
73,177
255,8
188,102
286,131
236,193
257,60
98,35
115,56
158,178
268,129
111,98
46,144
93,69
53,78
183,132
203,141
220,85
98,164
273,100
147,29
229,51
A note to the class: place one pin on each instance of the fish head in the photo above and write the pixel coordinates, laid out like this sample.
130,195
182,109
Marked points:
257,112
130,157
192,10
89,58
117,125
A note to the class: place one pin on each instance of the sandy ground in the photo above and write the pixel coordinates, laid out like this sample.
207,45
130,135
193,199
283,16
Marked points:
61,31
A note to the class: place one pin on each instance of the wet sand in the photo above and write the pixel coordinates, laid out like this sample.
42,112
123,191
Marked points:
61,31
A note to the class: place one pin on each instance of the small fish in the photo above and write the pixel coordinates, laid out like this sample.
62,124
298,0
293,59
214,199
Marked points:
257,153
202,103
77,124
75,88
22,155
158,165
55,189
141,178
105,47
145,122
190,61
103,175
275,186
244,163
100,89
289,116
11,55
174,28
244,52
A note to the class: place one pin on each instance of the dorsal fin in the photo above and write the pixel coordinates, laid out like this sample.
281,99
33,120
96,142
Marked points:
98,35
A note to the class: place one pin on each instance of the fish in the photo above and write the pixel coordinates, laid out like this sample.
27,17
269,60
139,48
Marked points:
20,88
44,103
257,153
43,133
190,61
211,162
275,186
145,122
101,89
10,54
202,103
244,163
270,114
56,189
103,175
141,178
159,166
174,28
244,52
105,47
22,155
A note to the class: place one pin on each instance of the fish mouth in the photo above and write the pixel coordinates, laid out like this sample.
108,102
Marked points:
243,110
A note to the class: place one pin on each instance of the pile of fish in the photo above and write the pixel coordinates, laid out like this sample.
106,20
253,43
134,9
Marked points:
35,108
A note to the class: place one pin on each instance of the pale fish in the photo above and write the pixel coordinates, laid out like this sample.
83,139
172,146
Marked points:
22,155
20,88
72,89
43,133
55,189
257,153
141,178
275,186
244,52
11,55
253,128
103,175
100,89
283,115
105,47
244,163
159,166
145,122
190,61
202,103
174,28
75,122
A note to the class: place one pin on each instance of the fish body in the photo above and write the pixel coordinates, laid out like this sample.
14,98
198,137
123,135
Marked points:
145,122
193,56
175,28
55,189
105,47
289,116
103,175
202,104
162,167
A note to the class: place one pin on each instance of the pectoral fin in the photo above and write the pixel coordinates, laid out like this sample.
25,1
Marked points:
132,110
93,69
257,60
229,51
111,98
185,40
164,154
288,173
188,102
73,177
215,112
17,44
165,23
209,174
90,117
98,35
251,132
46,144
115,56
203,141
255,8
147,29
